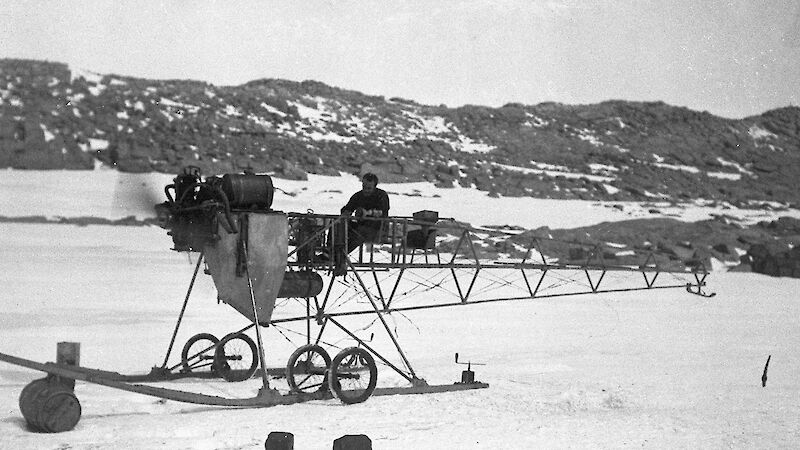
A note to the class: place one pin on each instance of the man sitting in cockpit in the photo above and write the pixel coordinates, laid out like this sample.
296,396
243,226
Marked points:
370,201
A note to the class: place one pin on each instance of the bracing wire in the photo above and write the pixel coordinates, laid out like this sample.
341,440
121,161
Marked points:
301,334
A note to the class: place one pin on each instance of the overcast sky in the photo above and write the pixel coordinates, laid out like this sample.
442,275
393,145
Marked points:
731,58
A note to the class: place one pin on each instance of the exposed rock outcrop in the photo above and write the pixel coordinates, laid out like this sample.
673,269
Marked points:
54,117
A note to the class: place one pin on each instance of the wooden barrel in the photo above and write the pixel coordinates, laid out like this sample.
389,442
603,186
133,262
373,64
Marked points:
49,407
29,392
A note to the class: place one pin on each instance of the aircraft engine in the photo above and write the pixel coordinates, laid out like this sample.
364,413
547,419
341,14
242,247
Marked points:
230,219
195,208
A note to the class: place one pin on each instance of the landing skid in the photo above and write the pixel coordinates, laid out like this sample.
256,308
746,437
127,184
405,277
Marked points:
692,289
696,288
264,398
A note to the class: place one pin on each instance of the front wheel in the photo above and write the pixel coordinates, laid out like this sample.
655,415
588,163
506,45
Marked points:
198,353
306,370
353,375
236,357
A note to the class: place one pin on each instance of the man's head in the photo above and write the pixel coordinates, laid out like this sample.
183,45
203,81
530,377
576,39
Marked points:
368,183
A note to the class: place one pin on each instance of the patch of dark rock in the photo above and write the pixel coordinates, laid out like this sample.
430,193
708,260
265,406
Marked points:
80,221
775,259
507,228
25,219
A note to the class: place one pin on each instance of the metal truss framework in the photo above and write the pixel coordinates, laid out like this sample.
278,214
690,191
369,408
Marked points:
393,257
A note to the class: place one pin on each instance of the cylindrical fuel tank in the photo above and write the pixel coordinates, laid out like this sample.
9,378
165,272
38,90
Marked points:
246,190
300,284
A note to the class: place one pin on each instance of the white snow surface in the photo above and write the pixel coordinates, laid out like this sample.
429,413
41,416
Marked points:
655,369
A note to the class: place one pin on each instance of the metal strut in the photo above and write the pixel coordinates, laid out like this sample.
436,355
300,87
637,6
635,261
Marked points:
183,309
593,285
264,377
650,282
411,379
383,321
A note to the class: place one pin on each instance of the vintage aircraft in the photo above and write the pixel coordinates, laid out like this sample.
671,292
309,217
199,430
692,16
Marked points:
259,257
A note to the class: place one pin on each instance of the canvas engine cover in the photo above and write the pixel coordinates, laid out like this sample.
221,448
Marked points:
266,235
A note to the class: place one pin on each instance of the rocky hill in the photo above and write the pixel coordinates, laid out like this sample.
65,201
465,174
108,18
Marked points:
52,117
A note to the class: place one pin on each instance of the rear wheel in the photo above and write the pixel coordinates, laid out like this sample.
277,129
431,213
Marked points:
236,357
353,375
306,370
198,353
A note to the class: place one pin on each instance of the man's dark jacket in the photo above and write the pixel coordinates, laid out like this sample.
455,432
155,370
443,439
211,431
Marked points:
379,199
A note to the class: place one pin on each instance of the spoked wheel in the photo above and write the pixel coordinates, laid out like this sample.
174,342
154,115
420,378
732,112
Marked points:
307,368
236,357
353,375
198,353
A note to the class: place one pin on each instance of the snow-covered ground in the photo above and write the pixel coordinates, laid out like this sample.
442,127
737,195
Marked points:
659,369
